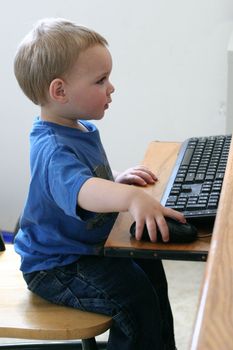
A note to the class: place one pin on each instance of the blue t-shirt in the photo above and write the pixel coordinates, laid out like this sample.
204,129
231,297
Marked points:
54,231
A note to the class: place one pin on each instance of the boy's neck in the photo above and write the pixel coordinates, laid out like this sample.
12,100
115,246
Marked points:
60,120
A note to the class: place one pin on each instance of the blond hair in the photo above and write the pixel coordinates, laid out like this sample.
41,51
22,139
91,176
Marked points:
48,52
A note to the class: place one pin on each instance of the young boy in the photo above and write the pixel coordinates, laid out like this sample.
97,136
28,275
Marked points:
74,199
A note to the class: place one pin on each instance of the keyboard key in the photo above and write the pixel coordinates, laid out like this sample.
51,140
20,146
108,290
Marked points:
195,206
219,176
190,177
199,177
209,177
187,156
186,188
179,207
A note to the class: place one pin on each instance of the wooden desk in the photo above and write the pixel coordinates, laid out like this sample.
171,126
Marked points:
214,324
160,158
213,328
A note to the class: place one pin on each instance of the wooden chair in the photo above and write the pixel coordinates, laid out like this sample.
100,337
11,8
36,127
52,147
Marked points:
26,316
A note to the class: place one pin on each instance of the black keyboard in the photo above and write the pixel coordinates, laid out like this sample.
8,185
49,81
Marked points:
195,184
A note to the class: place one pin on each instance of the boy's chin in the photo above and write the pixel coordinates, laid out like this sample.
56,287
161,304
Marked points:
99,117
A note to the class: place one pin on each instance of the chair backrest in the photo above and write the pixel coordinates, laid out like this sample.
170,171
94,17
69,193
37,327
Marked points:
2,244
25,315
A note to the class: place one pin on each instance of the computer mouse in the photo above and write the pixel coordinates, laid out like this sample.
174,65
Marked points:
178,232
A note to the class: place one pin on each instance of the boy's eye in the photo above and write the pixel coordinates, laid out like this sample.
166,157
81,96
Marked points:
101,81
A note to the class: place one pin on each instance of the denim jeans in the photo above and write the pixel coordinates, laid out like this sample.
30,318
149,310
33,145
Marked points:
133,292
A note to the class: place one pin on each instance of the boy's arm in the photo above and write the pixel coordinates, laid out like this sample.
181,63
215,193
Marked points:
101,196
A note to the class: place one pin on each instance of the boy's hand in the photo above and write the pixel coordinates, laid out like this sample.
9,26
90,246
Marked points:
138,175
147,211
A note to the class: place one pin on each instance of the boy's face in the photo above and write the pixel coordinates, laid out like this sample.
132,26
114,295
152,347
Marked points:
87,86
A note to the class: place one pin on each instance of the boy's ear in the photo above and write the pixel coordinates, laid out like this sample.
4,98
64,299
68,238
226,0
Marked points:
57,90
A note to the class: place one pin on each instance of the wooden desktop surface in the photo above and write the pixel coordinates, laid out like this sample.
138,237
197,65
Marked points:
160,158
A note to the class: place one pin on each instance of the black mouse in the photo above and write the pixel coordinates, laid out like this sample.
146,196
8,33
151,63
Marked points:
178,232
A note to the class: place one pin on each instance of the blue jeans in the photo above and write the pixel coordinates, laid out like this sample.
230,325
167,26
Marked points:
133,292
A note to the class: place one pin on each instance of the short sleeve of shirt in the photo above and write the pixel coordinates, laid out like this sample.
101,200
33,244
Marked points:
66,175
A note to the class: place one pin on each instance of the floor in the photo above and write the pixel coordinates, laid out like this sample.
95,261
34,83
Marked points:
184,280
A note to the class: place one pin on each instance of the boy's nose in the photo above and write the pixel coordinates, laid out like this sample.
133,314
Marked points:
111,89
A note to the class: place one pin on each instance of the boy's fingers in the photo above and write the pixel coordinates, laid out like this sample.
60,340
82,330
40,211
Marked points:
174,214
144,169
144,175
139,229
152,230
163,228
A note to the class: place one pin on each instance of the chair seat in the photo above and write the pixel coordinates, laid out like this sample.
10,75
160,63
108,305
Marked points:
27,316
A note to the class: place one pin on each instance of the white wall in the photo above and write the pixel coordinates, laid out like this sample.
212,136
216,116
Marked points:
229,106
169,72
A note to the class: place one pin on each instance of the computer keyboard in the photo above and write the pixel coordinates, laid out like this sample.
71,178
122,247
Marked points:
195,184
